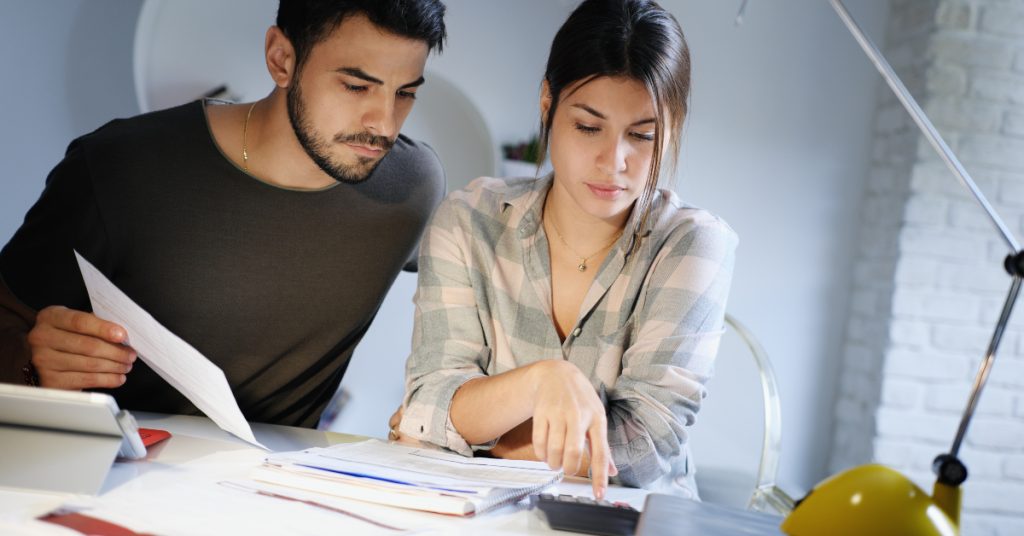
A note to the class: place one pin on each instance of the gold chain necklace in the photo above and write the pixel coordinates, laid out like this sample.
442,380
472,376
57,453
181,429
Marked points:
583,259
245,130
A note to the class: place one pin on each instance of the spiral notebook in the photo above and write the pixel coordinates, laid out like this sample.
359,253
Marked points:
407,477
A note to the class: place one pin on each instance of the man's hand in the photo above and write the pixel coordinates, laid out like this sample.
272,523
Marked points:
76,350
568,421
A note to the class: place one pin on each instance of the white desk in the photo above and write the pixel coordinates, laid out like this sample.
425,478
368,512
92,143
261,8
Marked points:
177,490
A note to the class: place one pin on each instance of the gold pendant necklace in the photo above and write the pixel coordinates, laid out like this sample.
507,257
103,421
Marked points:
245,130
582,266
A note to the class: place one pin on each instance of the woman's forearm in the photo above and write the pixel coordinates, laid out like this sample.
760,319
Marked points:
517,443
485,408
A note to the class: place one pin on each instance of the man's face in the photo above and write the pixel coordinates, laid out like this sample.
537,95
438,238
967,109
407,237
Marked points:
352,95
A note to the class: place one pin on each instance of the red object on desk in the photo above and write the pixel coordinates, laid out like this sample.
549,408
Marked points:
88,525
151,436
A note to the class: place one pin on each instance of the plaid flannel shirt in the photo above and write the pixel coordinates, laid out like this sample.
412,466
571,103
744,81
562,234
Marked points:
646,336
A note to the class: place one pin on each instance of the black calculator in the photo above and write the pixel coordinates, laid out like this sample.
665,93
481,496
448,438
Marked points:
586,515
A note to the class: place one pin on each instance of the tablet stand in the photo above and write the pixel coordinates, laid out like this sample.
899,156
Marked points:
55,460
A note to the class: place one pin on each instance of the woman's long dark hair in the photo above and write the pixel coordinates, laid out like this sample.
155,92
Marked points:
635,39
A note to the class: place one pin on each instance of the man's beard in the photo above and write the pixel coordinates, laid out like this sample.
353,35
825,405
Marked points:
318,148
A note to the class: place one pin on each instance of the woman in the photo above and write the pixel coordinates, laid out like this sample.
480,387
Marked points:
574,318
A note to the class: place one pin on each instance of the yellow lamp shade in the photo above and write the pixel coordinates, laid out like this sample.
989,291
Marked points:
868,500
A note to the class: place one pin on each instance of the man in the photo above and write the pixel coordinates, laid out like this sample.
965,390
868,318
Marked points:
264,234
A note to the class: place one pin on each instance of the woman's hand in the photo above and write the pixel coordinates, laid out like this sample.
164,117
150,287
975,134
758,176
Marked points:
517,444
568,417
569,423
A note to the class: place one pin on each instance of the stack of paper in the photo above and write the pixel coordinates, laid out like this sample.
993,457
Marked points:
406,477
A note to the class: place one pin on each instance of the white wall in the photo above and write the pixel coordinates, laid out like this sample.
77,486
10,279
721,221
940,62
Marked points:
67,70
777,144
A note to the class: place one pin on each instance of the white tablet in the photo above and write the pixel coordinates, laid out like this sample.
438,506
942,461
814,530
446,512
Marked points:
72,411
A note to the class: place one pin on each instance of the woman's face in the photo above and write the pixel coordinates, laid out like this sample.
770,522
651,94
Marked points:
602,143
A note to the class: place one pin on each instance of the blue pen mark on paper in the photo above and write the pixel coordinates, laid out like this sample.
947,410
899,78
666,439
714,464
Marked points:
388,480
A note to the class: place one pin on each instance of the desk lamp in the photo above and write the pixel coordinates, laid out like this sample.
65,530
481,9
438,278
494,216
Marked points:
873,499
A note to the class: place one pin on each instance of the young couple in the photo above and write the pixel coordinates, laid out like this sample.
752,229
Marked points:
572,318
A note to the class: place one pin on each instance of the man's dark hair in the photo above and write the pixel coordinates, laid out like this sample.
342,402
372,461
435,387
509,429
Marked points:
308,22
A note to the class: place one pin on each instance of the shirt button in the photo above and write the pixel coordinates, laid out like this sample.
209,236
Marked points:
576,332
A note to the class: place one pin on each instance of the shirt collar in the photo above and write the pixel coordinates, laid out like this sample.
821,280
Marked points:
526,200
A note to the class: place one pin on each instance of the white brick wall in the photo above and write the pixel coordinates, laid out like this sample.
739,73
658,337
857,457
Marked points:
934,177
1011,373
1003,20
970,51
995,150
953,112
1014,467
954,15
928,283
1011,191
947,80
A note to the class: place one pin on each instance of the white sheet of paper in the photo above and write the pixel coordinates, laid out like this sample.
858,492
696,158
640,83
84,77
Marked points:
176,361
424,467
188,498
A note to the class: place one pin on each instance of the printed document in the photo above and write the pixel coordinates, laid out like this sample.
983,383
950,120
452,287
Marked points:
177,362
